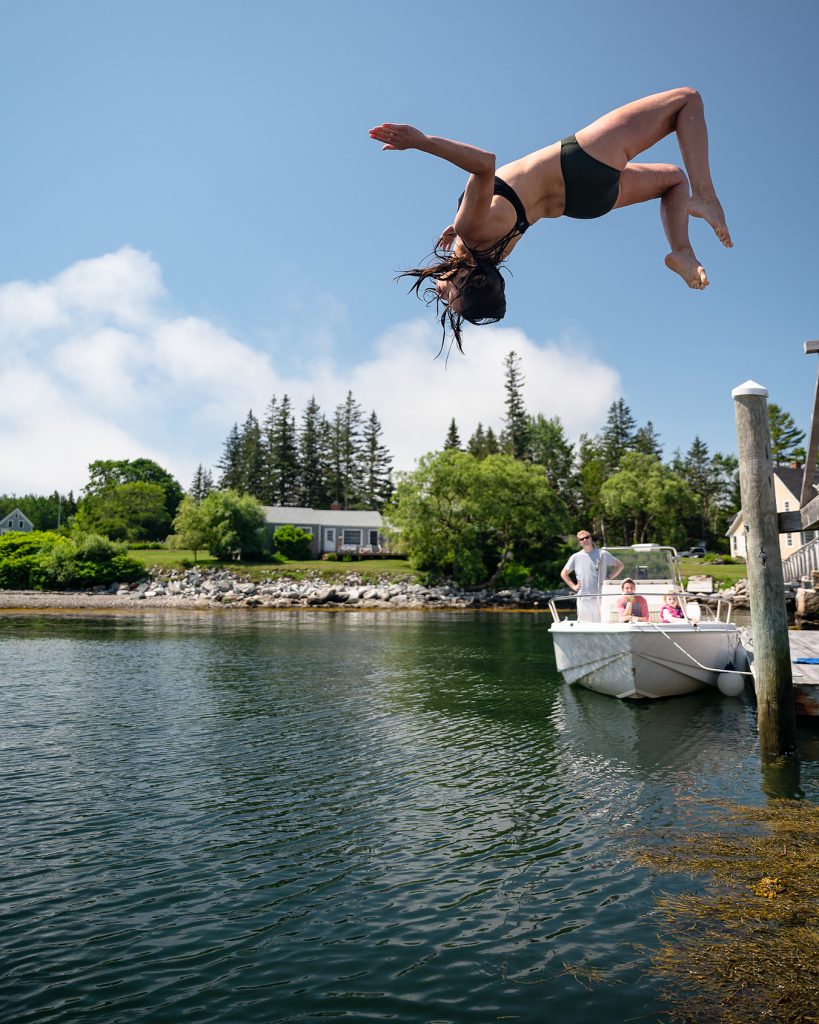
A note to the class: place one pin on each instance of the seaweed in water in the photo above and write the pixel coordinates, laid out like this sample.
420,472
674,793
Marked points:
745,949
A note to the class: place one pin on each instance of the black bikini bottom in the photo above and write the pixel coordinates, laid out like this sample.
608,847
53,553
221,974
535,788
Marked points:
592,187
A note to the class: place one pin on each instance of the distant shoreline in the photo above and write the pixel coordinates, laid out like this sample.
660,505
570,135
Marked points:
22,601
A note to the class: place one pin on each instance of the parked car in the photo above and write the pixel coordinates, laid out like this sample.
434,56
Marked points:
695,552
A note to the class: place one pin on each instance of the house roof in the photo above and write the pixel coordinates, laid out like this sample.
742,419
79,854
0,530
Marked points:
16,512
791,478
735,524
281,514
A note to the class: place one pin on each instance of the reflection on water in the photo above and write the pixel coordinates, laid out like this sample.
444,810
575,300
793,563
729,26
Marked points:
304,817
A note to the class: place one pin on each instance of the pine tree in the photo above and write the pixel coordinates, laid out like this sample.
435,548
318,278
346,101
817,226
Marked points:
786,438
715,481
284,455
312,477
331,461
617,437
346,453
453,439
377,467
269,494
515,433
202,484
550,448
230,462
477,443
491,444
251,458
647,441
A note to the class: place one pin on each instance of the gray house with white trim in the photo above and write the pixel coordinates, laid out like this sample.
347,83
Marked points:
333,529
16,522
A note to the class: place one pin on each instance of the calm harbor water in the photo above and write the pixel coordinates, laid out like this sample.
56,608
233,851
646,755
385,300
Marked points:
299,817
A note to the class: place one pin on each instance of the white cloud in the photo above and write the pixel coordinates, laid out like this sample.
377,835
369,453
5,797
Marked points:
93,366
416,395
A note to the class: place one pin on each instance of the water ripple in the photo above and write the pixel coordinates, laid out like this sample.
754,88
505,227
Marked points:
330,818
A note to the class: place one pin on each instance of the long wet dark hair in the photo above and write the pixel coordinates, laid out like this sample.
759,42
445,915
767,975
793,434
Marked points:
481,290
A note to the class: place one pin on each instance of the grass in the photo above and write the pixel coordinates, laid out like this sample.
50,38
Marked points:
368,569
371,569
724,575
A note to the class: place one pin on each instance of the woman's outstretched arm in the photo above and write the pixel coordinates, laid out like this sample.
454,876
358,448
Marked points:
404,136
480,164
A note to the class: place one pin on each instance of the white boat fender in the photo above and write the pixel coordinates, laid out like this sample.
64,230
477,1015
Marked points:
730,684
741,659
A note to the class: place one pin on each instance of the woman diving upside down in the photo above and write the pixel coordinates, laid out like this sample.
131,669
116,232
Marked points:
584,176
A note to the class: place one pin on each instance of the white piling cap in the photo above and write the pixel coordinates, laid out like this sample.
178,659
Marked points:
750,387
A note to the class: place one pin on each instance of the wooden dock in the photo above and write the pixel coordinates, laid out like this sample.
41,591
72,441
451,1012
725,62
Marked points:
803,644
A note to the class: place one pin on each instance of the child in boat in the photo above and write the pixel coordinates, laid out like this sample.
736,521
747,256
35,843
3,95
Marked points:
671,611
631,606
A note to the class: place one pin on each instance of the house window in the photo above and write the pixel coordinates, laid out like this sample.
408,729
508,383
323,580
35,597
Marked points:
373,538
352,537
331,533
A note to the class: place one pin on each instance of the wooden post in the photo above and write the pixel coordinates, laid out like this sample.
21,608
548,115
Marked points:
766,586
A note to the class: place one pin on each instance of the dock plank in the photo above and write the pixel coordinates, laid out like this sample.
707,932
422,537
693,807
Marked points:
804,644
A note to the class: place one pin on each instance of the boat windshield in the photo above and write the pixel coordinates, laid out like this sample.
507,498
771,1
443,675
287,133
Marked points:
646,562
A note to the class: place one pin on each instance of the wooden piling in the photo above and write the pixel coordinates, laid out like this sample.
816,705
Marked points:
766,586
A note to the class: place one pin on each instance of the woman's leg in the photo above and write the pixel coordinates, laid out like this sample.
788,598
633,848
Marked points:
642,182
617,137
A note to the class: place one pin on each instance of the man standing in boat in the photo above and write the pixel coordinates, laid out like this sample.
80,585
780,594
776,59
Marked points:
590,566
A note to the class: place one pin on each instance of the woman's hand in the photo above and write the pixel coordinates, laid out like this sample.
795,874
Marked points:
448,236
398,136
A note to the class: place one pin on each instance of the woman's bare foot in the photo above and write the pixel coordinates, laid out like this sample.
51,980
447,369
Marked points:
711,210
686,264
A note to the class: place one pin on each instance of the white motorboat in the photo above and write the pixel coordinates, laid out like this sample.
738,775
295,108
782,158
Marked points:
650,659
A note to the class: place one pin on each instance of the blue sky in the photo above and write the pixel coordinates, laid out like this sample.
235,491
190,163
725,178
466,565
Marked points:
193,218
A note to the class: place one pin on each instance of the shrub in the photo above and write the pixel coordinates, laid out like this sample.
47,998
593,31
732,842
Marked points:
18,556
46,560
293,542
513,574
329,556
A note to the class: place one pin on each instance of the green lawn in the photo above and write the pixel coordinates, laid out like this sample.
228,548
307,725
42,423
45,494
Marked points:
724,575
373,569
368,569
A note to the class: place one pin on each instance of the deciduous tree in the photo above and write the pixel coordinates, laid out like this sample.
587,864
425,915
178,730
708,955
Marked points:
469,518
648,498
133,511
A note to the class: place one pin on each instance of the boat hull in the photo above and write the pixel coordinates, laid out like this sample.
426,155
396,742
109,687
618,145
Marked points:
640,661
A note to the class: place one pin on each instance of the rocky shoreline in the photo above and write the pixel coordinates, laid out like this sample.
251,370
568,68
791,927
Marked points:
218,588
214,589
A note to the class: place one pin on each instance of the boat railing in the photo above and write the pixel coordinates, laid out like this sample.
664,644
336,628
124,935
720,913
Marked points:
686,599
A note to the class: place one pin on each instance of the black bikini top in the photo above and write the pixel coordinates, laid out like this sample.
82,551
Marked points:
501,188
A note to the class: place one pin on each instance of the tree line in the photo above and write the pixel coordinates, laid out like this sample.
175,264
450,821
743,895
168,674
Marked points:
314,463
616,481
498,507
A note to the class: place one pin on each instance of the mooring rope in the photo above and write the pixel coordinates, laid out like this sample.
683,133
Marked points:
705,668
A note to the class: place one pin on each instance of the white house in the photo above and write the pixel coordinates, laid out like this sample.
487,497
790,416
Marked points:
333,529
787,488
15,521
